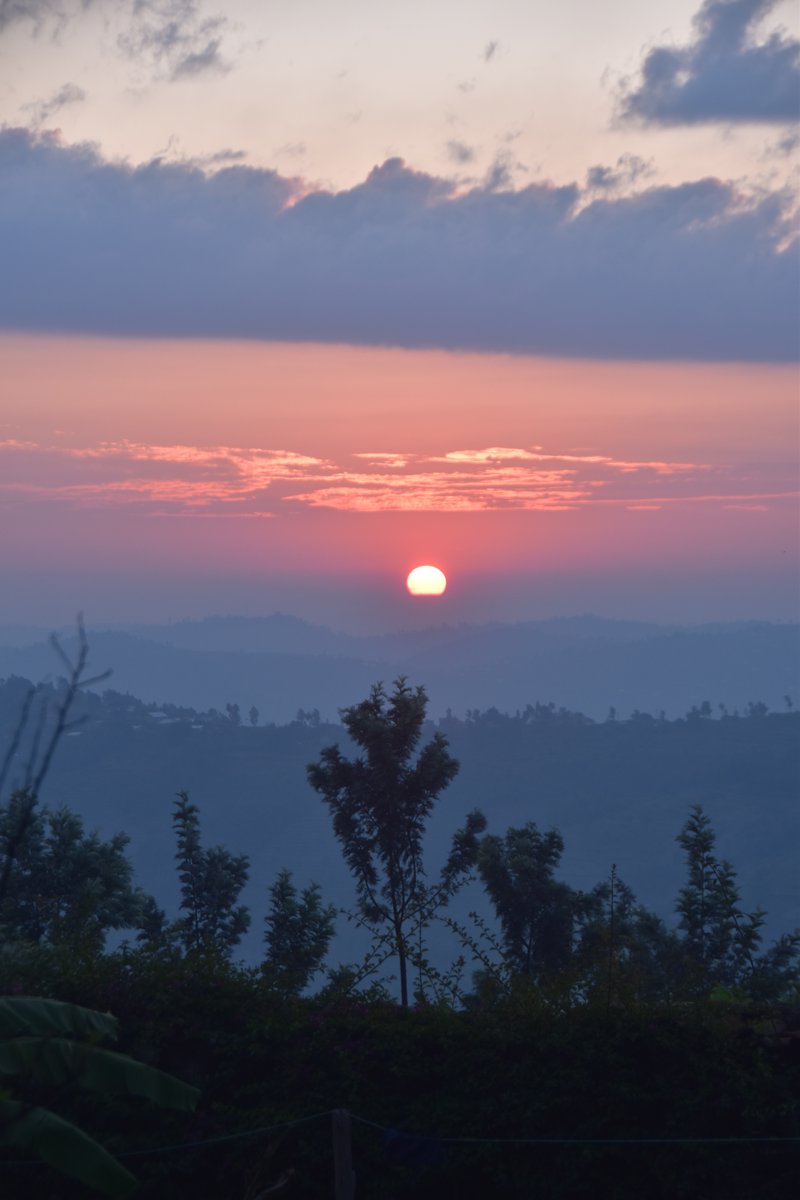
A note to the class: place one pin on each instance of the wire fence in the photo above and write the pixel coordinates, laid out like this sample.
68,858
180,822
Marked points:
436,1139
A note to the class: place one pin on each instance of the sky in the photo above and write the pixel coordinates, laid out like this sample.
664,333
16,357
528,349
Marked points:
298,296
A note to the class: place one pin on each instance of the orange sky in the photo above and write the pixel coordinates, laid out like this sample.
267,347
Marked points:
294,467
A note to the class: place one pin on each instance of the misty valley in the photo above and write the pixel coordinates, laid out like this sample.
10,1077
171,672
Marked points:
357,905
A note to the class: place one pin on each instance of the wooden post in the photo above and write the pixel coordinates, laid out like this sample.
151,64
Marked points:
343,1174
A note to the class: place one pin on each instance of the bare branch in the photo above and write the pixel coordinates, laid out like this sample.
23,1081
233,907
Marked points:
16,736
75,681
38,759
35,743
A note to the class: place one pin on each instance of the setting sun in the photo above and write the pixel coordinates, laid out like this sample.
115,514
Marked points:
426,581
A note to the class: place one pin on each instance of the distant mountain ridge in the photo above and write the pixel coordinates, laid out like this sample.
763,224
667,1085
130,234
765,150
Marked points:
283,633
280,664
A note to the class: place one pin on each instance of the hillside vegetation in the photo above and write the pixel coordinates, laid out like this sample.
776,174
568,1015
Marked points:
564,1033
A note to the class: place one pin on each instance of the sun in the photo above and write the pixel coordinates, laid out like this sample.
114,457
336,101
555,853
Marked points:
426,581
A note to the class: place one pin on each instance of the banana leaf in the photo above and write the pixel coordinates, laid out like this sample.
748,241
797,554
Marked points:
54,1061
34,1016
63,1146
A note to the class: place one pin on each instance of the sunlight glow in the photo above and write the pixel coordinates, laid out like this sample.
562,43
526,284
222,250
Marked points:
426,581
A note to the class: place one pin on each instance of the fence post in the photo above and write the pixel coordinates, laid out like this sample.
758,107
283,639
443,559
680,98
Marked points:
343,1174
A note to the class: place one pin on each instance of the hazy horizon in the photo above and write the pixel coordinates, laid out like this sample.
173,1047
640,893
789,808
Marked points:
408,618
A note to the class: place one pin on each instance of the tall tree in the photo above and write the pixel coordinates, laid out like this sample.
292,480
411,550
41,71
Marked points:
621,946
535,910
719,938
211,882
64,886
46,726
381,802
299,931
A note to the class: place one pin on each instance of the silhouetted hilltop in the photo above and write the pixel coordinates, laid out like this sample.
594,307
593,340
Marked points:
279,633
280,664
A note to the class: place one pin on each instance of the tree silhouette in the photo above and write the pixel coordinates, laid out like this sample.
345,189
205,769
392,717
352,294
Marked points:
299,931
380,805
65,886
211,881
719,937
49,726
536,911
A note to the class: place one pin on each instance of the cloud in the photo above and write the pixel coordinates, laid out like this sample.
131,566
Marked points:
788,143
43,110
502,169
494,455
40,13
459,152
724,75
291,150
174,37
489,51
219,157
171,37
198,62
260,482
383,458
629,169
696,271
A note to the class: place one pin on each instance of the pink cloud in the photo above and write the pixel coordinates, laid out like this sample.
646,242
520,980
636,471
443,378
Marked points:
259,481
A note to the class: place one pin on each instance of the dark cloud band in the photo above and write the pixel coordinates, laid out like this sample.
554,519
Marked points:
693,271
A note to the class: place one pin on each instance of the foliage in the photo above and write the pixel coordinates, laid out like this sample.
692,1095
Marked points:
718,944
720,940
51,1043
691,1032
299,931
601,785
536,911
57,883
63,886
46,716
624,953
515,1068
211,881
603,944
380,805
